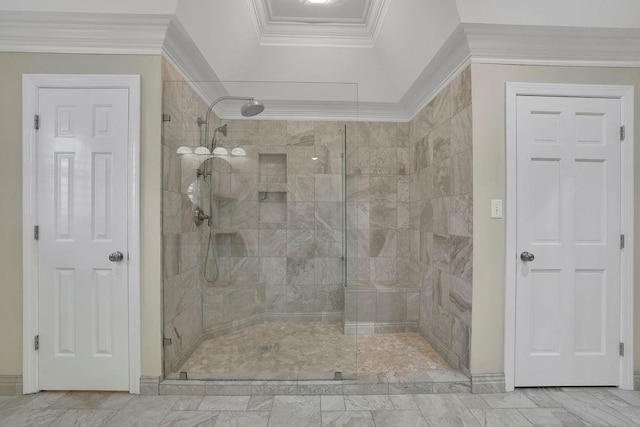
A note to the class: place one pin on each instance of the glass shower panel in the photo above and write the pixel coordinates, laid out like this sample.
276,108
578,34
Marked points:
383,245
257,291
181,239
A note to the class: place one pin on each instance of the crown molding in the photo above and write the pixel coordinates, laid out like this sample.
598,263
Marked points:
477,43
566,46
82,32
182,52
522,45
450,60
280,33
468,43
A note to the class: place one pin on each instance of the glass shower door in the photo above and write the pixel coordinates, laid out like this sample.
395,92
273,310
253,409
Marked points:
257,292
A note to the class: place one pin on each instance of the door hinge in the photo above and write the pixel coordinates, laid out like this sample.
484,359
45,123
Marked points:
36,342
621,349
36,232
36,121
166,117
622,241
166,342
622,133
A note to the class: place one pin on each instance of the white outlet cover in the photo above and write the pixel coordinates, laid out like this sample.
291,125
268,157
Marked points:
496,208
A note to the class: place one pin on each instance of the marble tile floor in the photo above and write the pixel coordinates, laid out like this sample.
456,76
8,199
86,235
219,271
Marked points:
524,407
307,350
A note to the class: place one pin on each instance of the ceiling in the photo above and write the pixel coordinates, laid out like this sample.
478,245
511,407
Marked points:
345,23
409,35
381,53
305,11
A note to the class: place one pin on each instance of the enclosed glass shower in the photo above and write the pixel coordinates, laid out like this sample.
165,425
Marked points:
255,240
291,248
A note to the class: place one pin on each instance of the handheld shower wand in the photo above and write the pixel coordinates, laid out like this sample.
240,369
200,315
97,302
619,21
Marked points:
250,109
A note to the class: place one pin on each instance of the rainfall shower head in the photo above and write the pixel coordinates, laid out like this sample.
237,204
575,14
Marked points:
252,108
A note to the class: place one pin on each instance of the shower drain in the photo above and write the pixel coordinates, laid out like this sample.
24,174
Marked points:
265,348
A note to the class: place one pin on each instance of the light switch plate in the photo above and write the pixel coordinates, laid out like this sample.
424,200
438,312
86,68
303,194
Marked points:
496,208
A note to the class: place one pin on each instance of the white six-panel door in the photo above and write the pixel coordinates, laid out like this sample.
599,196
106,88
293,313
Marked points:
568,218
82,215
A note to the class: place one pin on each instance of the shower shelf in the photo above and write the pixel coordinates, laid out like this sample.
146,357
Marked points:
225,231
223,198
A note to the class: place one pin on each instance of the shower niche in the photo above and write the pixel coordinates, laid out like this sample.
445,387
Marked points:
272,189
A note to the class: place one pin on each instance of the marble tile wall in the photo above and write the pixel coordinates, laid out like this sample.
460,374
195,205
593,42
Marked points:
182,241
383,241
279,215
279,223
285,219
441,205
283,215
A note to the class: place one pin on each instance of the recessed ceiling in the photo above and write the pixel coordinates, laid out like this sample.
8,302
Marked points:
330,12
350,23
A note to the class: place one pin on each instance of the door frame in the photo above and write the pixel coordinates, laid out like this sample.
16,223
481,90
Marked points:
626,96
31,83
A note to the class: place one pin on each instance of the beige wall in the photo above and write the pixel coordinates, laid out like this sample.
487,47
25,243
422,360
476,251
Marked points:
489,183
12,66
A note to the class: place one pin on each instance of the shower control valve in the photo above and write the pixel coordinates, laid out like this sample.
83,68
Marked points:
202,173
199,216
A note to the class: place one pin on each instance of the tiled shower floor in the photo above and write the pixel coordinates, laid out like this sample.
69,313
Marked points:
281,351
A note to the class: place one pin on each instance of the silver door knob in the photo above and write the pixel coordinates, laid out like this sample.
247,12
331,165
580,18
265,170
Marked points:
116,257
526,256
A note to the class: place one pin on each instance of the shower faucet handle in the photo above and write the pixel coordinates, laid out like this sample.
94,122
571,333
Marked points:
203,173
199,216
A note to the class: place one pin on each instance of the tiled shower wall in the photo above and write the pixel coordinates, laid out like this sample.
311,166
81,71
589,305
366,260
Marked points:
382,292
280,216
441,138
182,241
278,233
